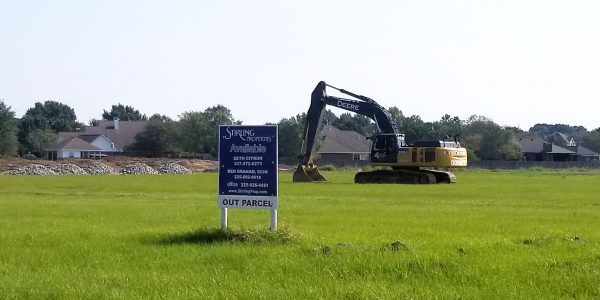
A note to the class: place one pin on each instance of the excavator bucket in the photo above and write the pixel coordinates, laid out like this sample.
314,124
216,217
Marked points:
307,173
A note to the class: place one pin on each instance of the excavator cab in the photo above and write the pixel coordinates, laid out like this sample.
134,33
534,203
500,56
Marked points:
385,147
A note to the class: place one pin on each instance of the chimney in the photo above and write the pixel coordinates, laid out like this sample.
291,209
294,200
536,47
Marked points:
547,147
116,124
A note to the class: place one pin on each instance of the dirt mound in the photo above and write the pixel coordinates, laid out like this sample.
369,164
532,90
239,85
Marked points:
69,169
138,169
32,169
97,168
173,168
106,165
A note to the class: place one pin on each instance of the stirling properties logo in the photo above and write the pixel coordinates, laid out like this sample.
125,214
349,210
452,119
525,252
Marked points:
244,134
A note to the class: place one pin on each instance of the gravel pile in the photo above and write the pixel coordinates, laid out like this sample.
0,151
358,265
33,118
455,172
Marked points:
69,169
172,168
137,169
97,168
32,169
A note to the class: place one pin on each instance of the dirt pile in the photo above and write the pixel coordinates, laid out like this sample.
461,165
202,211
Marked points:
172,168
32,169
68,169
138,169
96,168
105,166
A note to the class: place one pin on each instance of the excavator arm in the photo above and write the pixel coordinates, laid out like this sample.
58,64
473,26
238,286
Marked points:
307,171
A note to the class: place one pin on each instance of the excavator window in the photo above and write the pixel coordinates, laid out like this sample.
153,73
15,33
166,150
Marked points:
379,143
385,148
386,143
392,144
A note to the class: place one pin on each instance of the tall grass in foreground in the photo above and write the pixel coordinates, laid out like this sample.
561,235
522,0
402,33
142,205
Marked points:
518,234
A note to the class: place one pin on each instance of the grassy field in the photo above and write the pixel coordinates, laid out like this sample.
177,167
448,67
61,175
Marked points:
522,234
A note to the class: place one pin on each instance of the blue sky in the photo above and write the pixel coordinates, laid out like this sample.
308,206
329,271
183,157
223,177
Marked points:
516,62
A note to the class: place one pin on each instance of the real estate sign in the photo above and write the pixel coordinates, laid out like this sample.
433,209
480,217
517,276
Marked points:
248,167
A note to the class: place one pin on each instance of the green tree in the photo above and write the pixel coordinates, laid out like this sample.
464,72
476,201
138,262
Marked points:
215,116
489,141
194,128
40,139
123,113
290,135
398,116
51,115
591,140
199,130
161,136
543,130
498,144
447,127
330,118
415,129
472,131
93,122
355,122
162,118
8,131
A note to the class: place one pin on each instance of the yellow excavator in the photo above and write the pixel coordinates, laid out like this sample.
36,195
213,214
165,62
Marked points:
416,163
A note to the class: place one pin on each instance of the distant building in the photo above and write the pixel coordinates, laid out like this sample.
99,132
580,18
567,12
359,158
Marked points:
72,147
342,145
106,138
584,154
537,149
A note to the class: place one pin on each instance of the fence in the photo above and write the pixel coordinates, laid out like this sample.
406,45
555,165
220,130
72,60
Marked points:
493,164
338,163
473,164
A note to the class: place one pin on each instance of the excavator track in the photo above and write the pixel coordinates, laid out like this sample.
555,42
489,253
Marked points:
441,176
404,176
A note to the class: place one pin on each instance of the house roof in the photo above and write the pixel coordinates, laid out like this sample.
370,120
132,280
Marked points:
586,152
73,143
66,135
560,150
343,141
536,145
532,145
89,137
123,136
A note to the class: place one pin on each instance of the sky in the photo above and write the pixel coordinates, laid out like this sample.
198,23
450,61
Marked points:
516,62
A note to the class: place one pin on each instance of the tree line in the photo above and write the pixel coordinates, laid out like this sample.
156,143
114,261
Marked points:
195,132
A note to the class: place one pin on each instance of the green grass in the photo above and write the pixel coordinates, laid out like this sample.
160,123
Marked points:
500,234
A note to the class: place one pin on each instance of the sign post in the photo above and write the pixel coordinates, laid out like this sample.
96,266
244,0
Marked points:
248,169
